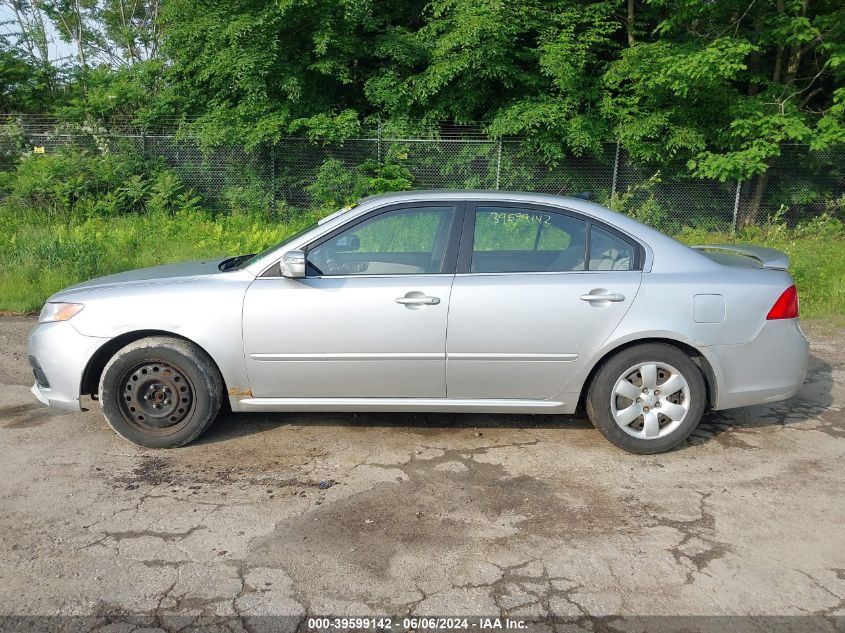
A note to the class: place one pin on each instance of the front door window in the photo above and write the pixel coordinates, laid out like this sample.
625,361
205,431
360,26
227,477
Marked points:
401,242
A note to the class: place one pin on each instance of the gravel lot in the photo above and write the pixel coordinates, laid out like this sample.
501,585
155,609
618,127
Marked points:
527,516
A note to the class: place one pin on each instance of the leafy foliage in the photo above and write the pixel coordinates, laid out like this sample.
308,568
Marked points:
712,89
689,87
75,182
640,203
336,185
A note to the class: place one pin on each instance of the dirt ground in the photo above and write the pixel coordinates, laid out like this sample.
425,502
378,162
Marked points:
524,516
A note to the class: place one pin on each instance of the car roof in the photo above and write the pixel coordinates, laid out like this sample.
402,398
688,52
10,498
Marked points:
467,194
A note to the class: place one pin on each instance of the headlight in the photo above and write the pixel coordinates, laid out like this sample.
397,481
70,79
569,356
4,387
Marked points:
58,311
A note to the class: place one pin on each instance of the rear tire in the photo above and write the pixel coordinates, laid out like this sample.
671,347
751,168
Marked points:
160,392
647,399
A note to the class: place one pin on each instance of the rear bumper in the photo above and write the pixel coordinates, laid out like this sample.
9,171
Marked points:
769,368
59,354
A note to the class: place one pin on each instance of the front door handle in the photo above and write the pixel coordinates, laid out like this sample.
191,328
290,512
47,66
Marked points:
418,299
609,296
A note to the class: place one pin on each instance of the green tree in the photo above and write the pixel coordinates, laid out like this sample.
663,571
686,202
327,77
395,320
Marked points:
254,70
22,87
29,77
727,83
690,87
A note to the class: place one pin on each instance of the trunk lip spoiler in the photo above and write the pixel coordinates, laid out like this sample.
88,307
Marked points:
768,257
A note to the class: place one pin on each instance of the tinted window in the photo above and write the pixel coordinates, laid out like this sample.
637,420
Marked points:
609,252
401,242
527,240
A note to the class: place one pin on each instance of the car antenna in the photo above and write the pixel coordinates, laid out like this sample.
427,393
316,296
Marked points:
584,195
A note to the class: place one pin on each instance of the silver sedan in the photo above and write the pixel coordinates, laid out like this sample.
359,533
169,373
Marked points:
456,301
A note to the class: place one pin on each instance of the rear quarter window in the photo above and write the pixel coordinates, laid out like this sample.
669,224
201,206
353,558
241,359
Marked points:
609,251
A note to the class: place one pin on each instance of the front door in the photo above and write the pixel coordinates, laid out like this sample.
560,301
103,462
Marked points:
539,292
369,318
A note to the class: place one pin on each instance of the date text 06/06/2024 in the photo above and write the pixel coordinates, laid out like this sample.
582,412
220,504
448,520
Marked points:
415,623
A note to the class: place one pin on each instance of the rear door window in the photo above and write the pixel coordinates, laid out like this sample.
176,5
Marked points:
512,239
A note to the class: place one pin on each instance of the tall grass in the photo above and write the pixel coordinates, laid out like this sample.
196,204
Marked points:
39,256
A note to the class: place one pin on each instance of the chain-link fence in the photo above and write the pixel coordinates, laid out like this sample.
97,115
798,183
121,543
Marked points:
298,173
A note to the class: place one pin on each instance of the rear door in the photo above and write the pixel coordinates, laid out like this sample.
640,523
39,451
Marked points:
538,290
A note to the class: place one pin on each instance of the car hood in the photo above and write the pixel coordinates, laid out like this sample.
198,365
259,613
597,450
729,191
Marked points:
142,276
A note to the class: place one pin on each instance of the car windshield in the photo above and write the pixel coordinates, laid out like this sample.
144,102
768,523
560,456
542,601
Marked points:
242,261
250,259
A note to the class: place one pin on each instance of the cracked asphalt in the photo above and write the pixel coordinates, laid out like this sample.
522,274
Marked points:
525,516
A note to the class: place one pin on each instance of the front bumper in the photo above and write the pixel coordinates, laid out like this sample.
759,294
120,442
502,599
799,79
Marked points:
769,368
62,354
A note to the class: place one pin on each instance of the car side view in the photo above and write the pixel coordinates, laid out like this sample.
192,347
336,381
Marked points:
475,301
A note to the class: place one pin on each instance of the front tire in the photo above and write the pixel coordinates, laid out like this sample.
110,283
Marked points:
160,392
647,398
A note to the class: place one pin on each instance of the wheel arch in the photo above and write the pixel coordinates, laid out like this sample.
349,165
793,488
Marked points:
94,368
695,354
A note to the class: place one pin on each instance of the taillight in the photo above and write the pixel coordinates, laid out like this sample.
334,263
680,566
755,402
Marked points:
786,307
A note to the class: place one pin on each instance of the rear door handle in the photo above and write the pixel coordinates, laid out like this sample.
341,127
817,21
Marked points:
418,300
611,296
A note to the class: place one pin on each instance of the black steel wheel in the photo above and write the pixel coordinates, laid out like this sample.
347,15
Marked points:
157,397
160,392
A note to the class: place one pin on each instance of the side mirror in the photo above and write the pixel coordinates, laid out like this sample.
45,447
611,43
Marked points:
292,264
346,243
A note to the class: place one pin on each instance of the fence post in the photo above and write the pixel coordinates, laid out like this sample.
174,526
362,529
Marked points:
499,163
736,205
378,141
273,179
615,171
